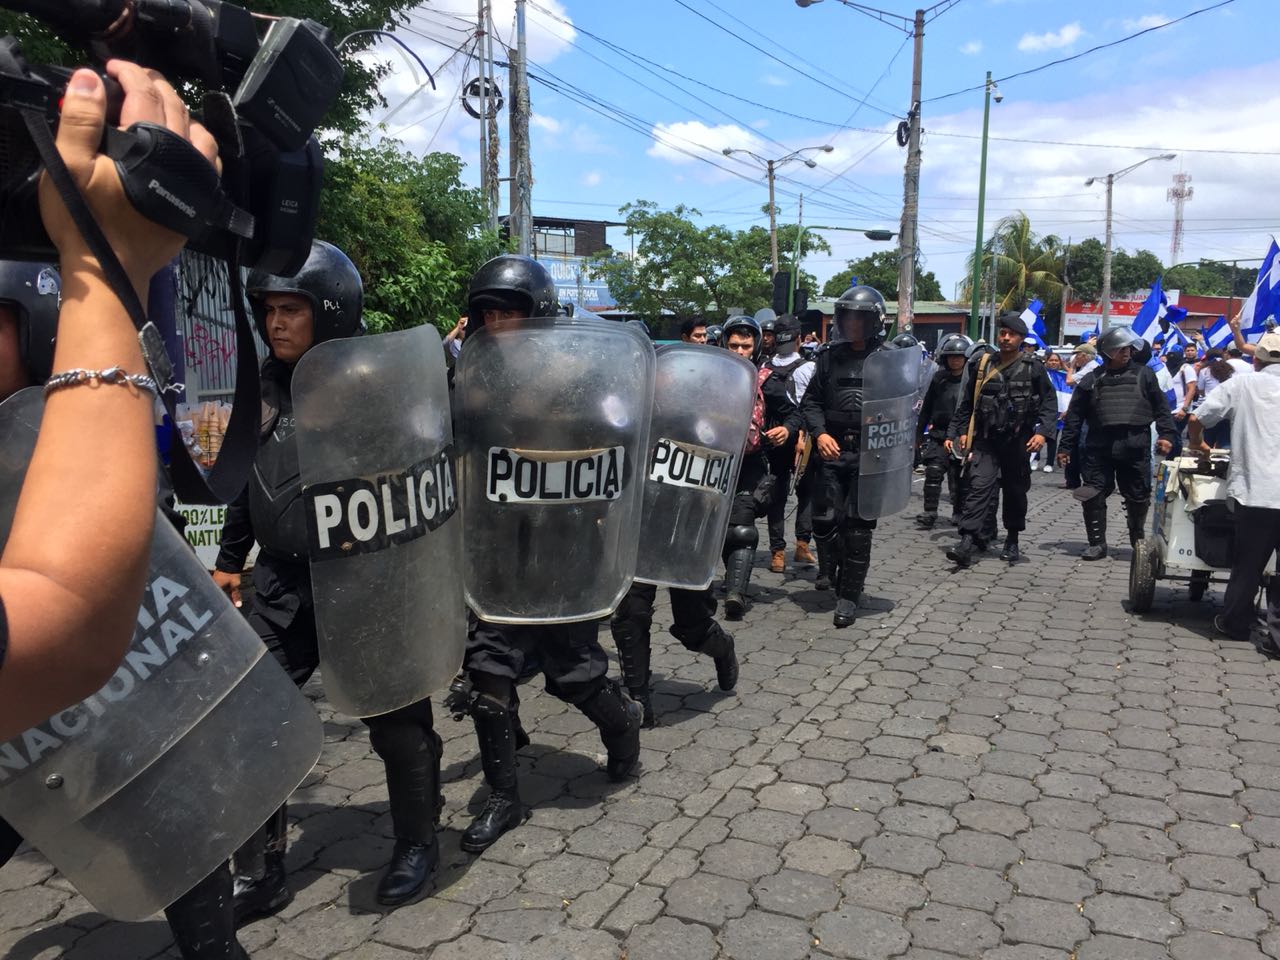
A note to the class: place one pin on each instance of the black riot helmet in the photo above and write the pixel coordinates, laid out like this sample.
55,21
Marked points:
32,289
904,340
329,280
954,345
715,334
767,319
1115,339
511,282
860,315
743,324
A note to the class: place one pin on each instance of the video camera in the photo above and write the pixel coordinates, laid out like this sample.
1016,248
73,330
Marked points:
262,103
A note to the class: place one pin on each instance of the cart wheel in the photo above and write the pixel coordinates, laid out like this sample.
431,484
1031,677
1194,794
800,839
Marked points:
1199,583
1142,576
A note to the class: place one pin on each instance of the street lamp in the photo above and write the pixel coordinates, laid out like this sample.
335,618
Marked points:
1111,178
976,295
770,167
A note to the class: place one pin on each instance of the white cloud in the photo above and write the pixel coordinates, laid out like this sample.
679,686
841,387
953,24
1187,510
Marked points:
674,142
773,80
543,122
972,48
1146,23
1053,40
592,178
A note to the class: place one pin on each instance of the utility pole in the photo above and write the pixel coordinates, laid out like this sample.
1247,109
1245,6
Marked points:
911,190
1106,261
521,220
773,219
482,77
493,154
975,285
1066,294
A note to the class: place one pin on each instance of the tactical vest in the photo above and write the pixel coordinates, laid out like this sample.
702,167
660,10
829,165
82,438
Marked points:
1008,405
1118,400
275,488
946,397
841,372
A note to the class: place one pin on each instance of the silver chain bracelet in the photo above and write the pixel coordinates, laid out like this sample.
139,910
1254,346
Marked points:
111,375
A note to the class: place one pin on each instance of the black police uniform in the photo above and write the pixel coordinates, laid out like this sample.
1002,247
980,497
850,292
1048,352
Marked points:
499,656
1014,402
270,511
754,491
1119,407
940,400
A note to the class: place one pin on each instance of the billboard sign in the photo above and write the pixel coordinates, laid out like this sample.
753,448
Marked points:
575,283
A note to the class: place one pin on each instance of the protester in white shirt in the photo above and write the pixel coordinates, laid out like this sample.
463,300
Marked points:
1252,405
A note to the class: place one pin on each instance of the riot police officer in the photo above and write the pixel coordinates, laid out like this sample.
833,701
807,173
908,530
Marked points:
768,321
323,301
756,485
790,373
1007,410
1119,402
499,656
715,333
940,399
832,409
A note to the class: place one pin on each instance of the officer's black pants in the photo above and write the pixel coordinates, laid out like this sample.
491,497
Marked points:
692,612
1257,540
1118,459
997,466
781,463
835,499
569,654
939,465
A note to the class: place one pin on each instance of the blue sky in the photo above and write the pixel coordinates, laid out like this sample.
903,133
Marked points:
1200,88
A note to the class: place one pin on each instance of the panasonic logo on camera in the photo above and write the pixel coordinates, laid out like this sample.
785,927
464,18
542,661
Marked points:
154,187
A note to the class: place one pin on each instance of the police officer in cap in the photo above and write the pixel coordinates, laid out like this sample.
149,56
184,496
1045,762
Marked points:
832,408
775,423
940,400
1119,402
1007,410
323,301
499,656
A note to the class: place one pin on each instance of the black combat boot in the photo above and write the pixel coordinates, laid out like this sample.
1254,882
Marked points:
854,564
1011,551
631,638
411,751
925,521
203,920
1136,514
962,553
503,810
619,719
737,576
718,645
932,497
828,561
261,887
1095,528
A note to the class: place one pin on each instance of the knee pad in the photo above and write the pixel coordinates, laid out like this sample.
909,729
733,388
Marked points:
742,536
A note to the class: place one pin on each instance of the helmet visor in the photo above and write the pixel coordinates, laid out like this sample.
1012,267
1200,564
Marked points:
855,326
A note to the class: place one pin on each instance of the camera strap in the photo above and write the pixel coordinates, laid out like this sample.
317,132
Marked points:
227,478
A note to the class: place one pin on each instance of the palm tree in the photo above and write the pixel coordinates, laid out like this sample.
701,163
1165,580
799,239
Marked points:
1026,265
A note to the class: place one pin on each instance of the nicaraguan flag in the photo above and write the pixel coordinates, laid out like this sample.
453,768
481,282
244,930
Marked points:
1175,339
1147,323
1031,317
1219,335
1265,299
1060,387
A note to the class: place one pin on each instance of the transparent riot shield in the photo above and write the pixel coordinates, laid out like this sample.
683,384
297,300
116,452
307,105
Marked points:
141,790
375,446
553,420
890,391
701,412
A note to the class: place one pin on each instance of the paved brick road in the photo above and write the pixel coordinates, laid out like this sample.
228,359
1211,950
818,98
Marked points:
999,763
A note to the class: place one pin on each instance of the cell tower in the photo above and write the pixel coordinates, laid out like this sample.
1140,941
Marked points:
1178,195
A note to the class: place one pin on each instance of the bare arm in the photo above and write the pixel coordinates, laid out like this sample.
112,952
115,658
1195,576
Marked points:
72,572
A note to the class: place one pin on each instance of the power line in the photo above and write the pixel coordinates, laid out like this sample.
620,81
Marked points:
1083,53
1110,146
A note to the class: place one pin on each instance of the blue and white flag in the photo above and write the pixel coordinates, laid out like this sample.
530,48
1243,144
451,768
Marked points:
1147,323
1219,335
1035,323
1060,387
1175,340
1264,302
1095,333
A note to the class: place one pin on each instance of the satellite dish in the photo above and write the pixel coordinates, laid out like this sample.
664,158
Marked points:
482,98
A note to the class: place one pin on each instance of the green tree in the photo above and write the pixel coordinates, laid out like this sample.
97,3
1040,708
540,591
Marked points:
1210,278
691,270
411,227
880,270
1026,265
1133,272
360,78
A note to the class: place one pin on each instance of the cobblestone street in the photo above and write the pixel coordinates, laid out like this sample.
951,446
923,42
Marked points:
996,763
